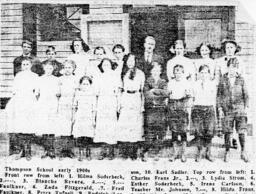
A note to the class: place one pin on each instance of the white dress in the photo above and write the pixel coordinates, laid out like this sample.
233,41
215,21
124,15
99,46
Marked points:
47,104
130,123
107,104
67,87
84,117
82,62
21,108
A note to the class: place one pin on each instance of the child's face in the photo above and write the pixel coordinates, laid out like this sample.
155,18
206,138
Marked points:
85,85
119,54
204,74
131,62
204,51
51,54
68,68
48,69
106,66
26,65
77,46
178,73
179,49
26,48
230,49
99,53
156,71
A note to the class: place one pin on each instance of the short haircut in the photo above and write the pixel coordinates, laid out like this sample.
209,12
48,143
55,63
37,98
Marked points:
69,61
85,47
202,67
118,46
179,42
26,42
178,66
49,49
113,64
85,78
150,37
99,48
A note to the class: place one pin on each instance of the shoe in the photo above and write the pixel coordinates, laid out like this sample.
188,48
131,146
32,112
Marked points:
45,155
227,156
70,154
234,143
51,154
28,157
19,155
183,158
174,156
208,153
80,157
183,150
199,155
244,157
88,154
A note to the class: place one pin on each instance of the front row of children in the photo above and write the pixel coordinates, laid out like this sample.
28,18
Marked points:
51,102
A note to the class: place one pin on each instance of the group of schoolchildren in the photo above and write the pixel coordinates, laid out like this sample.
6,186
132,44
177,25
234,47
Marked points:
125,105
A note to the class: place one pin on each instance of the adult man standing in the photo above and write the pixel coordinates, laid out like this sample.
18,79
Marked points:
26,53
146,60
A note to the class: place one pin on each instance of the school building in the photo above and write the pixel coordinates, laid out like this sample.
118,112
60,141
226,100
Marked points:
128,24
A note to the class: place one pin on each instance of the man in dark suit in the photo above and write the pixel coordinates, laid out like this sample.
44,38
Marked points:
145,61
26,52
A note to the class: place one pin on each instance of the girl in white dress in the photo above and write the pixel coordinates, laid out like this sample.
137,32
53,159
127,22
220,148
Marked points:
130,123
67,87
80,57
21,109
47,108
84,115
107,106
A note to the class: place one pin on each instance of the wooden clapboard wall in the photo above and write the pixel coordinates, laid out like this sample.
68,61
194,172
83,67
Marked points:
11,38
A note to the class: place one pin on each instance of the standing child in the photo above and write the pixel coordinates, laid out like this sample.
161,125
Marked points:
84,116
47,108
156,94
107,107
67,87
21,108
180,92
203,111
130,123
232,102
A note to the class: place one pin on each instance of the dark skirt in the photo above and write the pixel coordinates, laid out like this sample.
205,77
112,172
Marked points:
203,121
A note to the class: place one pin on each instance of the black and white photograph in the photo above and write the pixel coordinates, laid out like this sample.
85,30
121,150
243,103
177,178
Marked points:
127,97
